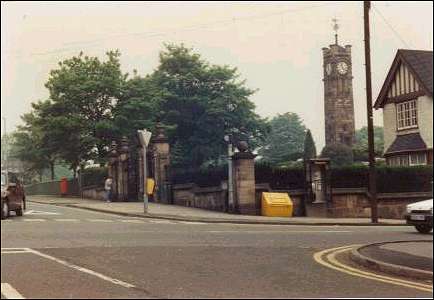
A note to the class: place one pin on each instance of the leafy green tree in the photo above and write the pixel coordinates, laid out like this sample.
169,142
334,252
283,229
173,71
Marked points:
360,148
32,143
285,142
6,142
200,103
339,154
137,107
83,91
63,133
309,146
92,102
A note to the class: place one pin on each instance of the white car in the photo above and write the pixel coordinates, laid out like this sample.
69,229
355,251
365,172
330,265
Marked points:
419,215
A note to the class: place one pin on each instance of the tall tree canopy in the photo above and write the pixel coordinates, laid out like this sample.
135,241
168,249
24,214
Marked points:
137,108
92,102
339,154
285,142
83,92
360,148
200,103
32,144
309,146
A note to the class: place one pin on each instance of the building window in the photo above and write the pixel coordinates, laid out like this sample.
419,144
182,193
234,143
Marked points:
413,159
417,159
399,160
407,114
403,160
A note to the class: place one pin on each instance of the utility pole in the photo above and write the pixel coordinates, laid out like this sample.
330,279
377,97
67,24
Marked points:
5,153
372,171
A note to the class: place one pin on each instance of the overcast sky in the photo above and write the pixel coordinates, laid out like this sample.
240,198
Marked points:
276,46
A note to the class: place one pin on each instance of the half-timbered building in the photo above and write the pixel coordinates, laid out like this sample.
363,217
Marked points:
407,103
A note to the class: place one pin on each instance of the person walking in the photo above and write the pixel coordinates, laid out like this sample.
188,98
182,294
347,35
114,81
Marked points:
108,189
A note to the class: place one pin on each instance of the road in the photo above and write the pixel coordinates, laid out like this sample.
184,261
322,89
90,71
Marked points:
60,252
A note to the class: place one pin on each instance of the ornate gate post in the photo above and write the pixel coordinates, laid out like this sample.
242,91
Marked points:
161,161
244,177
113,169
123,170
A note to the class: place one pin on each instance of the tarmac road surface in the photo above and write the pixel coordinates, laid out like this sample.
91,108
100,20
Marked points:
60,252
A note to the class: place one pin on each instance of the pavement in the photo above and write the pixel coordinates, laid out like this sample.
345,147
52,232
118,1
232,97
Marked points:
413,259
181,213
55,251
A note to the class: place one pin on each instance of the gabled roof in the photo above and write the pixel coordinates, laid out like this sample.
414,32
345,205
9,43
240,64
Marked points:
419,63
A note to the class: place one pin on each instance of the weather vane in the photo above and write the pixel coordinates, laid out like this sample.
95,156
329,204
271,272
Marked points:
335,28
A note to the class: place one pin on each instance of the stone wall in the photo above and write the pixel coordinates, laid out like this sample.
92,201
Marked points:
52,188
212,198
354,203
215,198
93,192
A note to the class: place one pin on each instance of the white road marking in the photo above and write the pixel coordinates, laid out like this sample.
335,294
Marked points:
14,250
192,223
100,220
9,292
74,209
66,220
279,231
39,212
133,221
162,222
84,270
34,220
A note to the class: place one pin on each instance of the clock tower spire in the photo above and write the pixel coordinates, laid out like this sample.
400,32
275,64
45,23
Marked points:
338,93
335,28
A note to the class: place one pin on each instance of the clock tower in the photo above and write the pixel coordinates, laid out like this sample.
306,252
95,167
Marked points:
338,94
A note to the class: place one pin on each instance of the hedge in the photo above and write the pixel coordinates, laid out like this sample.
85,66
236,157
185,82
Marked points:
389,179
280,178
204,178
94,176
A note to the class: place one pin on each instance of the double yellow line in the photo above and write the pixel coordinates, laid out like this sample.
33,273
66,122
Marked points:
328,259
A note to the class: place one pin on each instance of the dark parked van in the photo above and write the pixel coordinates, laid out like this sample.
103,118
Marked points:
12,196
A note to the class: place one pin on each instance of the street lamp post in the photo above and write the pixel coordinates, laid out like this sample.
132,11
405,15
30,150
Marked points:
228,140
144,138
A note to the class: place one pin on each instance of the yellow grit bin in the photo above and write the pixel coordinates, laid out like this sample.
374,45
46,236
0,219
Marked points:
276,205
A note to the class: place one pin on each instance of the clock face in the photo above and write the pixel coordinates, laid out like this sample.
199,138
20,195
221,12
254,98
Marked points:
328,69
342,67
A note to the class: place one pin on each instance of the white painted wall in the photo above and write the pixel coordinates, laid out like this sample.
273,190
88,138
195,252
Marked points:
425,122
389,124
425,119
